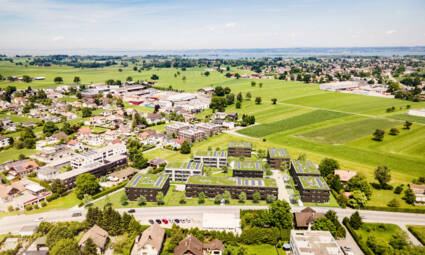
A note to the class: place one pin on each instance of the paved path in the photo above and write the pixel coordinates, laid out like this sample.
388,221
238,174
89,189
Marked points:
411,237
282,192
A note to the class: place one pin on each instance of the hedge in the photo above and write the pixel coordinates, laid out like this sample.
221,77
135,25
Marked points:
111,189
363,246
412,230
394,209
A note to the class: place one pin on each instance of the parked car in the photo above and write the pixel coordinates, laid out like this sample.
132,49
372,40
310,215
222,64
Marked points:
40,219
183,221
77,214
158,221
188,220
177,221
132,211
151,221
165,221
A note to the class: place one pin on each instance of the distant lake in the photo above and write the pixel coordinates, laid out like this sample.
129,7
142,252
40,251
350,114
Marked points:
237,53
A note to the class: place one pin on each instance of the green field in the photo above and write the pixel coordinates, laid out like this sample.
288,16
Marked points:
383,232
13,154
291,123
343,133
409,118
419,232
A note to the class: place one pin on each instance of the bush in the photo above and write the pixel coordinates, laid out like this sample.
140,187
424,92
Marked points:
28,207
398,189
363,246
43,203
111,189
35,206
53,196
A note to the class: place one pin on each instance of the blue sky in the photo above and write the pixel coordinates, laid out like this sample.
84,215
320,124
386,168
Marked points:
191,24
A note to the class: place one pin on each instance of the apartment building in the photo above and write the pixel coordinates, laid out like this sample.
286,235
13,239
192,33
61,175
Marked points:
192,135
4,141
216,159
175,127
147,185
180,171
98,155
248,168
213,186
275,157
239,149
209,128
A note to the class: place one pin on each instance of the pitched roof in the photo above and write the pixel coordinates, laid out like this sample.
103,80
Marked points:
24,166
60,135
97,234
214,245
344,175
154,236
417,189
84,130
306,216
189,244
124,172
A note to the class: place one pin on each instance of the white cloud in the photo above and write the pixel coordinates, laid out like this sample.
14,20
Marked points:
211,28
230,24
390,32
58,38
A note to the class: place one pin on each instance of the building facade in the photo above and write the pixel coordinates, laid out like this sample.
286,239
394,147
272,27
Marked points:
174,128
239,149
180,171
275,157
216,159
192,135
147,185
248,169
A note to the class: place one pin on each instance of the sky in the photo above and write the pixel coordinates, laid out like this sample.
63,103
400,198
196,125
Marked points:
218,24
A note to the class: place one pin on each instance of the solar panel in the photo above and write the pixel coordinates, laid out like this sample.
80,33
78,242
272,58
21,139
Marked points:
189,164
239,182
257,166
319,182
239,165
260,183
158,182
252,182
246,182
136,180
197,165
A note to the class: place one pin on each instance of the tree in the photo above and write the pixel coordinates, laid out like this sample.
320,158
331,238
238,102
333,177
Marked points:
218,103
394,203
382,175
58,80
56,234
86,184
256,197
399,240
58,187
201,198
67,129
87,199
219,91
274,100
239,97
328,166
49,128
86,112
238,105
65,246
207,73
77,80
141,200
378,135
26,78
218,198
279,215
129,78
409,196
124,199
154,77
242,197
357,199
258,100
407,124
334,182
270,199
394,131
185,148
183,198
139,161
359,182
248,95
230,98
160,198
226,196
89,247
324,224
356,221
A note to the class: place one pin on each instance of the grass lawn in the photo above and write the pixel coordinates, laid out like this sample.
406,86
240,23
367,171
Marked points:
382,197
409,118
20,119
171,199
378,230
291,123
66,202
13,154
332,203
419,232
346,132
258,249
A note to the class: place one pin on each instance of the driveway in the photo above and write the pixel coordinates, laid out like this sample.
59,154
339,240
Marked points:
282,192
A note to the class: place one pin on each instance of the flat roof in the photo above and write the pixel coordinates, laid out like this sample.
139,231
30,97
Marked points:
248,165
313,182
147,181
304,167
185,165
240,144
278,153
211,153
231,181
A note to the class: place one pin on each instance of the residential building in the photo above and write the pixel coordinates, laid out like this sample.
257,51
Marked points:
191,245
123,174
209,128
248,168
150,241
306,217
313,189
175,127
180,171
156,162
419,191
213,186
23,168
314,242
47,173
8,192
239,149
303,168
99,237
275,157
153,118
147,185
98,155
4,141
192,135
216,159
345,175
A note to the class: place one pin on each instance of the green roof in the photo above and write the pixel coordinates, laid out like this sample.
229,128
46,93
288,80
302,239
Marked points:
278,153
211,153
240,144
248,165
147,181
313,182
231,181
185,165
304,167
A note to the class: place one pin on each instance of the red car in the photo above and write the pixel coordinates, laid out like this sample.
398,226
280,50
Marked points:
165,221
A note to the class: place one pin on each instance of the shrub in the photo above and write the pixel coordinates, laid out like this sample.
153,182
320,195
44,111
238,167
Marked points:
398,189
53,196
43,204
36,206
